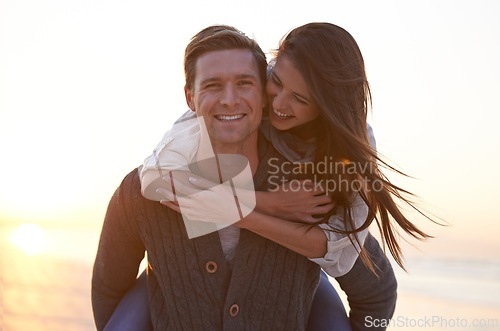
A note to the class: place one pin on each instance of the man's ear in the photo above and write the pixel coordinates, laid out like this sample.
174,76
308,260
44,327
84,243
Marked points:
189,98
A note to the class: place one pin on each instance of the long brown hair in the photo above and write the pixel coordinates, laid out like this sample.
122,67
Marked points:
332,66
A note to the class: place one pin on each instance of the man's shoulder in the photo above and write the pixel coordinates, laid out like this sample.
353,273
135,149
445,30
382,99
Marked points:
129,195
130,186
132,179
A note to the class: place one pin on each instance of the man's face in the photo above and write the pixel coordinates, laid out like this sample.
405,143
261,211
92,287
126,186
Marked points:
227,92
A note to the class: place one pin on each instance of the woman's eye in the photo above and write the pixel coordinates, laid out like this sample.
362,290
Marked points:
275,80
302,101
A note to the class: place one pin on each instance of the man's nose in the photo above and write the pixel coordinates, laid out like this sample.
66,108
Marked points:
229,96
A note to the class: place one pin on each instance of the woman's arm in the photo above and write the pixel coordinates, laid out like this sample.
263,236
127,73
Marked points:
215,203
174,151
294,203
343,250
301,205
305,239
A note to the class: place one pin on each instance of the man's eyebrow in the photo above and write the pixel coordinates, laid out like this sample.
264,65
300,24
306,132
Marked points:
209,80
247,76
240,76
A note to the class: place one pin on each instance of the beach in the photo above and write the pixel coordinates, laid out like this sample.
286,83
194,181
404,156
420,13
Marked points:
443,294
50,289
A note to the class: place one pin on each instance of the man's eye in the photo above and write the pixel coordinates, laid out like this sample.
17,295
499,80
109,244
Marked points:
245,82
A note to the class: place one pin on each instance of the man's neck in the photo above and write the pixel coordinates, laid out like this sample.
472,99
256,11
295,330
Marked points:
221,162
247,149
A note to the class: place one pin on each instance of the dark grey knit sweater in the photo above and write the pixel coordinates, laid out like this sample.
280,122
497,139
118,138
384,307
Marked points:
191,286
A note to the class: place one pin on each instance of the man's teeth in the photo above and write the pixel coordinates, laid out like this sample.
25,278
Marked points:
281,115
229,117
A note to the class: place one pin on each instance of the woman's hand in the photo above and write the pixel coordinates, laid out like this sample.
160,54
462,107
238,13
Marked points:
299,203
202,200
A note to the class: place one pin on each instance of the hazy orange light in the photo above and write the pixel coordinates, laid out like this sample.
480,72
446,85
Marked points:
29,238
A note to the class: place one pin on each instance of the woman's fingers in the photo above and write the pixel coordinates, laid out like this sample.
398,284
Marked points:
166,194
171,205
179,185
201,183
323,209
321,200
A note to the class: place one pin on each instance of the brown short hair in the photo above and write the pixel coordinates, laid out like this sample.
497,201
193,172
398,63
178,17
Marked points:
217,38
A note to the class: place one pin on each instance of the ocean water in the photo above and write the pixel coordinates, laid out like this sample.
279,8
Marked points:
476,282
447,294
45,278
46,271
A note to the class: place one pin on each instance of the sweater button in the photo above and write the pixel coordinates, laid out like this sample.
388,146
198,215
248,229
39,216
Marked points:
234,310
211,267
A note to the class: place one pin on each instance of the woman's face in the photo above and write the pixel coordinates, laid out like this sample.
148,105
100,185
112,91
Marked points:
289,97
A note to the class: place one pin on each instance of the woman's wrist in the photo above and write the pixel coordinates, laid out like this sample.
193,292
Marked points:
249,221
263,202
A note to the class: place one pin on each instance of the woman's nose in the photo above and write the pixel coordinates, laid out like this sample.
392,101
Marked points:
279,101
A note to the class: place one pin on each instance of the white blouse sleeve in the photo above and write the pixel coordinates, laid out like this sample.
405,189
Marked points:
342,251
175,151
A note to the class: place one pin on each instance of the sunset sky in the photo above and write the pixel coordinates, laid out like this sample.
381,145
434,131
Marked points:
87,89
